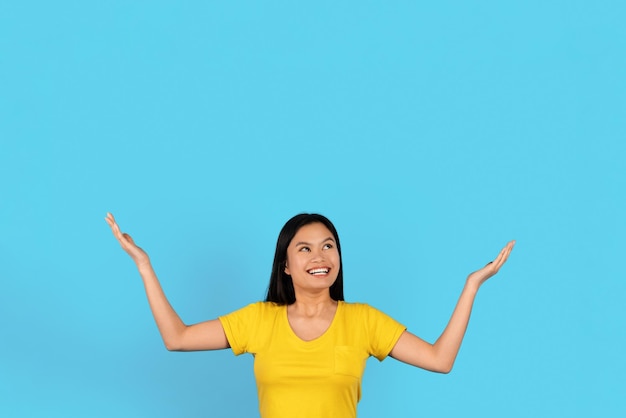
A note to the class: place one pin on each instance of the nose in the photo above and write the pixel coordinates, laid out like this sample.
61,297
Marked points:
317,255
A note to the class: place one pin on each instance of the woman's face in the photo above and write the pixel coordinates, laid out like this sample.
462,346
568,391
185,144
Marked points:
313,260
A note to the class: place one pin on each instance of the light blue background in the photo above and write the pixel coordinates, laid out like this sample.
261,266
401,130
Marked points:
430,135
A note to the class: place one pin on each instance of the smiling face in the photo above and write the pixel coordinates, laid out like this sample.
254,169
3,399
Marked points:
313,259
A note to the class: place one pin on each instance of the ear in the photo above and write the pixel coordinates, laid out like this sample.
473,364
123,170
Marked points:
287,269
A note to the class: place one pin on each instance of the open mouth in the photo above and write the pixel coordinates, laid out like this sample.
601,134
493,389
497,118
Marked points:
320,271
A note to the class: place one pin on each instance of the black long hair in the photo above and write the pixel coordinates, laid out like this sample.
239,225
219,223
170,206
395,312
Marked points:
280,289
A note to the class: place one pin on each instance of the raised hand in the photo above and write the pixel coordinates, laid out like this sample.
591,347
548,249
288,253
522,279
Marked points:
479,277
138,255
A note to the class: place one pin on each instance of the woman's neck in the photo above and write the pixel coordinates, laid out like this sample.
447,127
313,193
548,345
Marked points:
312,305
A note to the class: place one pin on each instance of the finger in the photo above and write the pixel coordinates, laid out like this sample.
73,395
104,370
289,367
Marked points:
504,255
129,239
499,257
117,232
498,261
508,249
115,228
109,218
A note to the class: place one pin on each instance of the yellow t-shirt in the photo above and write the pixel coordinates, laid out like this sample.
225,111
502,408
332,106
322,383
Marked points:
319,378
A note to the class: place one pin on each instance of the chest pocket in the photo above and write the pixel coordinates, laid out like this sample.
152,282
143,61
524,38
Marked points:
349,361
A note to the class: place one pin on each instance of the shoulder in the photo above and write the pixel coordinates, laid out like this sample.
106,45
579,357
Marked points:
257,308
358,307
365,313
359,310
267,308
250,317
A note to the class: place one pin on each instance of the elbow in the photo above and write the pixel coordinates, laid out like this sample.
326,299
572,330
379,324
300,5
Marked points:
175,340
444,362
172,345
443,368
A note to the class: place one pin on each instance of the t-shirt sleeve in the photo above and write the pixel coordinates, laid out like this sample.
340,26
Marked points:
240,326
383,332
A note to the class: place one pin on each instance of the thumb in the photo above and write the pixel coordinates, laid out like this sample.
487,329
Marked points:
129,238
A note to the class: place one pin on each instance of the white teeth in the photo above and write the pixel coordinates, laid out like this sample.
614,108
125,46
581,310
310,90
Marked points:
319,271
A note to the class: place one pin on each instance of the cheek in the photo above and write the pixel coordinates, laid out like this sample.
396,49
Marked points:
291,263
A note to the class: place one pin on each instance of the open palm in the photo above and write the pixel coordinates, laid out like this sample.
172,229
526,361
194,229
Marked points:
479,277
138,255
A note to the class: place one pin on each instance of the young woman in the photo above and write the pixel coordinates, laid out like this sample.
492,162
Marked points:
310,346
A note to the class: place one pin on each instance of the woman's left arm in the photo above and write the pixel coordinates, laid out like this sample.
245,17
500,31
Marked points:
439,357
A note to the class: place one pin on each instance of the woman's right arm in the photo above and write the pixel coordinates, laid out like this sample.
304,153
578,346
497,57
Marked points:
176,335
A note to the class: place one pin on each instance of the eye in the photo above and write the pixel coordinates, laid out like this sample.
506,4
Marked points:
328,246
304,249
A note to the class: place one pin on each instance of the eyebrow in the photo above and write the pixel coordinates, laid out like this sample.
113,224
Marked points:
307,243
